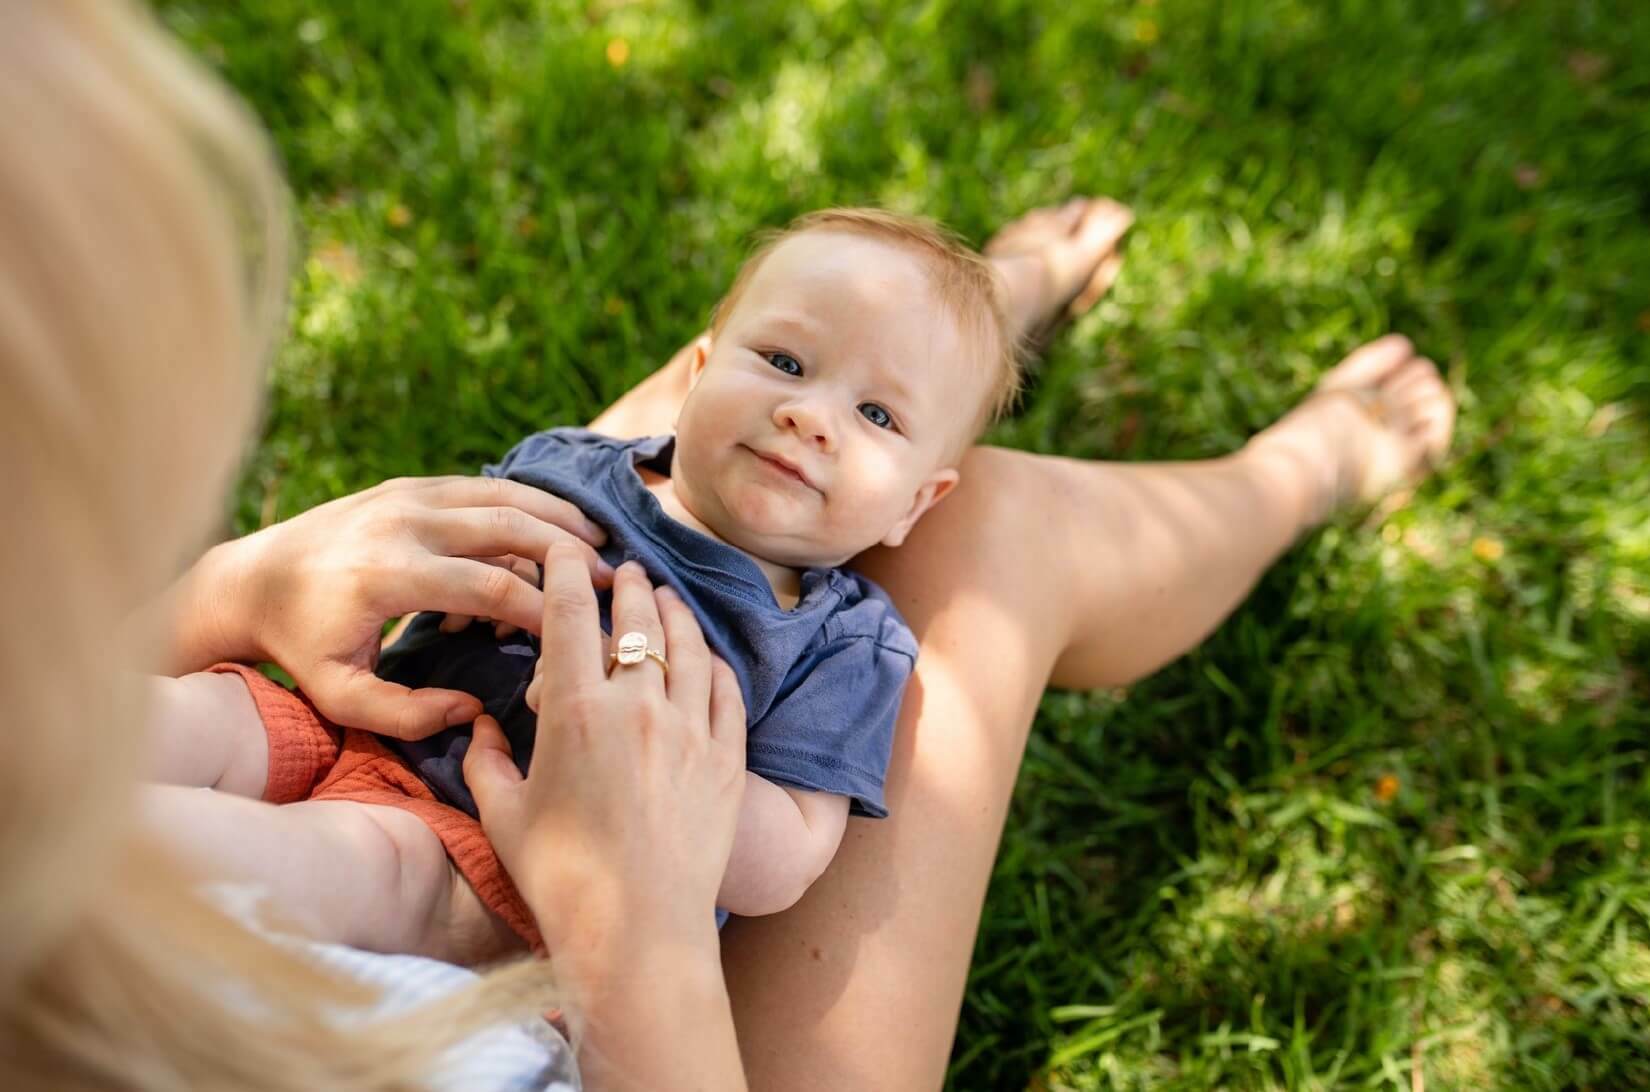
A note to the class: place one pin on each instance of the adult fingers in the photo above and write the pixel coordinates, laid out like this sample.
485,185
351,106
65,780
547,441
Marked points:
457,623
727,707
689,682
355,697
571,637
529,571
499,535
461,492
463,585
489,770
536,685
636,611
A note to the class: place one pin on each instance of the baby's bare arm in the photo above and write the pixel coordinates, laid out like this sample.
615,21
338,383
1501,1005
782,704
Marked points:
785,839
205,731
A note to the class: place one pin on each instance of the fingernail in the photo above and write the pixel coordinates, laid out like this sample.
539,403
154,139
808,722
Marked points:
668,592
460,714
594,534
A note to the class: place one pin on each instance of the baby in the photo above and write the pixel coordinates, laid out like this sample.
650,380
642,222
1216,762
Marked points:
856,357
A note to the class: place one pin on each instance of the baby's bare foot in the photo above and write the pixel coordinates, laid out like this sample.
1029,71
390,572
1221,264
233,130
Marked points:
1057,262
1377,420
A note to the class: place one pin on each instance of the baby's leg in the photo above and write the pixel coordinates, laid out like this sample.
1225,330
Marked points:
205,731
365,875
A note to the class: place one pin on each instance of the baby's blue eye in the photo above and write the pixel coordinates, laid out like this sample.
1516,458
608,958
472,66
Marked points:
876,415
785,362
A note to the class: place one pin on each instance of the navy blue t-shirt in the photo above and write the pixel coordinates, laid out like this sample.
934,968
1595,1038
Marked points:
822,681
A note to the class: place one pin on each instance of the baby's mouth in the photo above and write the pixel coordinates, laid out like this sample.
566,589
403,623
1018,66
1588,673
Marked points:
784,467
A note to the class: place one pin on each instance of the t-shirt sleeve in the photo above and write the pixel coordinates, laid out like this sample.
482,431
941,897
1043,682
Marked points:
534,449
831,728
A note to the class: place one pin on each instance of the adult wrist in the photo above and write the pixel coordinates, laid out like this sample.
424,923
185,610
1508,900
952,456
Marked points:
651,1017
601,924
215,617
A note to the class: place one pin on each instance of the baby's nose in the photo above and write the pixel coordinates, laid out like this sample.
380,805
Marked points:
809,421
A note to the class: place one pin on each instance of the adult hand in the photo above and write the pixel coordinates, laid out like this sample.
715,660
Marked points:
619,834
628,809
313,593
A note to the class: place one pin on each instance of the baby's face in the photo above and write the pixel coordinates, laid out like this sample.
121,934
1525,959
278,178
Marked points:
827,413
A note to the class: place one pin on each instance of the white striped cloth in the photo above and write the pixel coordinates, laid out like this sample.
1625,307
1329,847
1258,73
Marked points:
523,1058
520,1058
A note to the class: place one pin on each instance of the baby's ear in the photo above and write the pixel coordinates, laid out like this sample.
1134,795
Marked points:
929,493
701,356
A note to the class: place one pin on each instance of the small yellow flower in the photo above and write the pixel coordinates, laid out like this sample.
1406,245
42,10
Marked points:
1145,31
399,215
618,52
338,259
1386,787
1488,549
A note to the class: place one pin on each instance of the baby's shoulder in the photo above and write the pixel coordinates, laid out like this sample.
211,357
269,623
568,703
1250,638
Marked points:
865,612
561,444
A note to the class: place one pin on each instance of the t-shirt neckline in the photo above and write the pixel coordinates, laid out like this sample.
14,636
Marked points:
689,545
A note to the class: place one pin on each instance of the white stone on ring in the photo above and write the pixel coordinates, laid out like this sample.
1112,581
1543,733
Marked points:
632,649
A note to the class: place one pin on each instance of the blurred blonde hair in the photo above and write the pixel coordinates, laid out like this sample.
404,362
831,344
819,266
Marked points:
963,282
143,258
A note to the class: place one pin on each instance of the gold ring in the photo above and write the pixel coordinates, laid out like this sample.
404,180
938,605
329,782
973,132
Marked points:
633,649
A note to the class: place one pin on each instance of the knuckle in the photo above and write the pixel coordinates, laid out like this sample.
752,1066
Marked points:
561,599
579,704
506,521
564,512
563,548
407,723
396,516
494,586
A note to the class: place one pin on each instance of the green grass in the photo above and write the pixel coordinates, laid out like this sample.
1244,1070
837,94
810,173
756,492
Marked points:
1206,882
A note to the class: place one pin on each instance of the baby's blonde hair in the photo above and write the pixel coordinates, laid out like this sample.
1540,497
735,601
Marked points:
143,261
962,278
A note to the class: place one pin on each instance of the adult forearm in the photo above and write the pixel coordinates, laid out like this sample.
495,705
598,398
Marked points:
661,1023
646,1002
